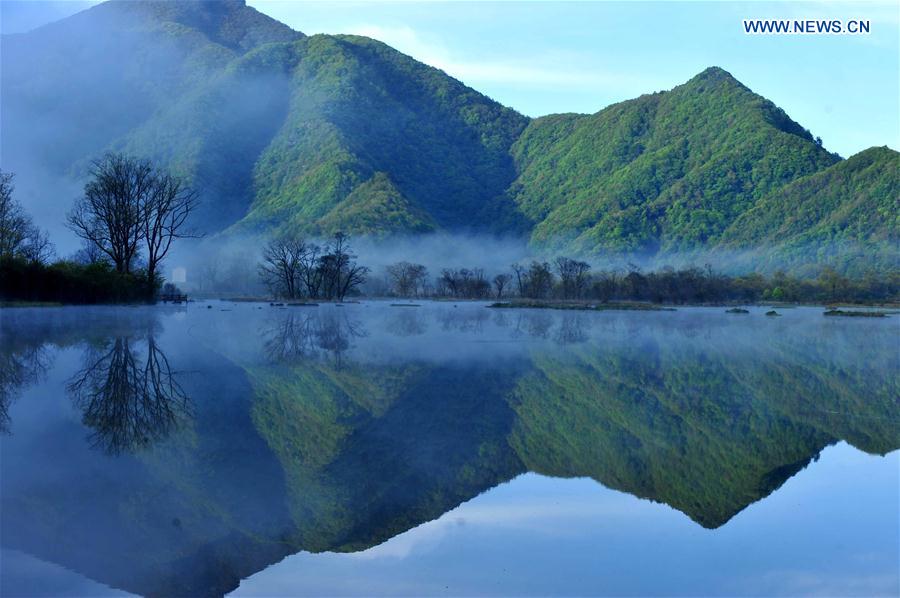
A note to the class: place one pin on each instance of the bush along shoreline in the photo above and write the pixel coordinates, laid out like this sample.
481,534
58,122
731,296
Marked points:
68,282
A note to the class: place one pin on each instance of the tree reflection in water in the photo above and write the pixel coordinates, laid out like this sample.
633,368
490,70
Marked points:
305,336
533,325
407,322
128,394
19,366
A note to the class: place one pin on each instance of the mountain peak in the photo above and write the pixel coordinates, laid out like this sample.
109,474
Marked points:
230,23
713,73
711,78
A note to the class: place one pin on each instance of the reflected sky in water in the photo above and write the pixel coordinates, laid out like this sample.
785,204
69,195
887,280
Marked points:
447,449
545,536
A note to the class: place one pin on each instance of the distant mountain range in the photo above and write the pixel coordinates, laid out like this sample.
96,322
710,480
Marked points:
286,132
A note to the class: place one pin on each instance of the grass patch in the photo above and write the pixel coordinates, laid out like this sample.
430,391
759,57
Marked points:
855,314
6,304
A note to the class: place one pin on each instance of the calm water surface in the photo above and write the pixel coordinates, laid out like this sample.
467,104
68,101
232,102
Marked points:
447,450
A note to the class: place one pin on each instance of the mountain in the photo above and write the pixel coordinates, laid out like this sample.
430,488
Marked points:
71,88
849,208
283,132
665,171
375,142
278,130
78,87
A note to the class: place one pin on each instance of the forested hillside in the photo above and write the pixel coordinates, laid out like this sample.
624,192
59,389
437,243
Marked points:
850,210
288,134
665,171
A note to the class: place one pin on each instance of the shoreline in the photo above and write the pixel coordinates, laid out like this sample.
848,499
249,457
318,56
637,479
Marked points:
834,308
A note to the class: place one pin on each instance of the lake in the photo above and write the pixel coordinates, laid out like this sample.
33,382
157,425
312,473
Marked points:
447,449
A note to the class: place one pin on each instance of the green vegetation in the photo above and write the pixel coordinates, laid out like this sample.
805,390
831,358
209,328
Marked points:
851,201
71,282
129,211
286,133
339,162
656,419
667,171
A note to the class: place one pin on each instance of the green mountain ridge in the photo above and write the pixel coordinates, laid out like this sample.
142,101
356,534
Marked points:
665,171
831,204
287,133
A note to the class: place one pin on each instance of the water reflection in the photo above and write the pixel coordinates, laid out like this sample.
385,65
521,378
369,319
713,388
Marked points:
326,429
297,337
128,394
22,363
407,321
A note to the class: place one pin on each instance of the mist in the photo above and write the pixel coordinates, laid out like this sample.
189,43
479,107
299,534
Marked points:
130,89
19,16
228,265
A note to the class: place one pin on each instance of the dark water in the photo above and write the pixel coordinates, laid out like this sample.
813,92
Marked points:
447,450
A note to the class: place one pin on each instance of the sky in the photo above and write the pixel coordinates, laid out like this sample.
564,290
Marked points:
546,57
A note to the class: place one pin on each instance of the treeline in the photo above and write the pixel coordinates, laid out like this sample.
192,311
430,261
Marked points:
71,282
128,218
569,279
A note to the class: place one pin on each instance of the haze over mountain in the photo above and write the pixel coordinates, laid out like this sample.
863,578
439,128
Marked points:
312,134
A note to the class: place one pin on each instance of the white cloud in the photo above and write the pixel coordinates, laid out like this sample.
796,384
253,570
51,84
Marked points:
536,516
547,70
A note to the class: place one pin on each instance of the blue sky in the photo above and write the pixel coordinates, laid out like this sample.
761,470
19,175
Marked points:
545,57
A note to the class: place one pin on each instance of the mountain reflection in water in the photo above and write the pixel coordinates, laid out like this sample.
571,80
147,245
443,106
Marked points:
177,452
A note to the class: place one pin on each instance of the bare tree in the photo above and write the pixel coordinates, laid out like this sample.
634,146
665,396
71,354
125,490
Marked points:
340,272
14,223
501,281
165,211
605,284
19,237
111,214
281,264
310,273
354,276
573,276
407,279
448,283
519,270
38,247
470,284
88,254
538,281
